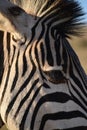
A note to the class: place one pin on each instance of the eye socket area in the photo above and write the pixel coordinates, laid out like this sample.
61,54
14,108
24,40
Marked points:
55,76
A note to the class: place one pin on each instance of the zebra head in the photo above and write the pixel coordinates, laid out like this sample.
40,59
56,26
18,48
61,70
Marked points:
43,85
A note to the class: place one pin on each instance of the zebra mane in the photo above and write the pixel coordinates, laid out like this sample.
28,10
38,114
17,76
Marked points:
67,11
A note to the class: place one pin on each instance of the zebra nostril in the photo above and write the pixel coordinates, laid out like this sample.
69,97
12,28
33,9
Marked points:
55,76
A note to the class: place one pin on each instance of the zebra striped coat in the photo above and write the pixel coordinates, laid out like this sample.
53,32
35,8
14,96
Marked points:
42,83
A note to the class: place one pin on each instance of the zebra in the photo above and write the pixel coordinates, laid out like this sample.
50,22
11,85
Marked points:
42,83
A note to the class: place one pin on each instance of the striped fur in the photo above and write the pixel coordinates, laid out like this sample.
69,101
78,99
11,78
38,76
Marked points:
43,85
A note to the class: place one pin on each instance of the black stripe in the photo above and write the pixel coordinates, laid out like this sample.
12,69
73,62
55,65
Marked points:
14,48
42,53
46,85
81,73
1,55
28,108
8,74
57,50
8,42
25,98
34,29
60,116
77,100
21,88
65,58
5,87
80,95
41,20
77,128
16,73
48,49
37,59
53,97
24,65
76,79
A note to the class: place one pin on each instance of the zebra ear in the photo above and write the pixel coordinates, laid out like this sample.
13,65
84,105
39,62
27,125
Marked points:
14,19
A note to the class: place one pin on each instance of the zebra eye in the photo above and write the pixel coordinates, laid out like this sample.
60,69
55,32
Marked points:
15,11
55,76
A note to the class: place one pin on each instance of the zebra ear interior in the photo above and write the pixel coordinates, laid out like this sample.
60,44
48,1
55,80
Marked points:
15,11
13,18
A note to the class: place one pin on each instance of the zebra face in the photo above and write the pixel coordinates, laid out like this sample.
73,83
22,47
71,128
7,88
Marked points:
43,85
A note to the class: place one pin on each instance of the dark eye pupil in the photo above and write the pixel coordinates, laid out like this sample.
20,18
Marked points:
55,76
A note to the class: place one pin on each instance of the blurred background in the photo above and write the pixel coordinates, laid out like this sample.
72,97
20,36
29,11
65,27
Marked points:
79,44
